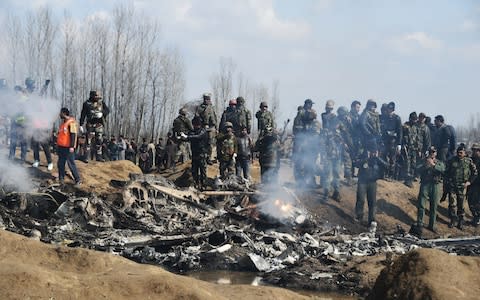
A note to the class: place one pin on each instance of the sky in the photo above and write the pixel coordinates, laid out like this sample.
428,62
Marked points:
423,55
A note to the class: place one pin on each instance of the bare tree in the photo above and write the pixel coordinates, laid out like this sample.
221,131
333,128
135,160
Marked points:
222,83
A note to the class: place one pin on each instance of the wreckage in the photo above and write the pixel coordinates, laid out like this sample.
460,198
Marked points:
236,227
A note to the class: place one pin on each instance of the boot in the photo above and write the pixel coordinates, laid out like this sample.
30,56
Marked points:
452,223
336,196
460,223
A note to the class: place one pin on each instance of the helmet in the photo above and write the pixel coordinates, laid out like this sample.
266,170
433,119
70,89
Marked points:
263,104
182,111
330,104
30,83
413,116
95,95
475,146
342,111
371,103
228,124
308,102
240,100
207,96
232,102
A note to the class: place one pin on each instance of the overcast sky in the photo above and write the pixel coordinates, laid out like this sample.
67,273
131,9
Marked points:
423,55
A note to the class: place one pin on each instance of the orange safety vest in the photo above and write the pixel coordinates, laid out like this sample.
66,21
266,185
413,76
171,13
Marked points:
63,137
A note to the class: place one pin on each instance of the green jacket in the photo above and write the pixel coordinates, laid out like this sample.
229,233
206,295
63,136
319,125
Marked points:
460,171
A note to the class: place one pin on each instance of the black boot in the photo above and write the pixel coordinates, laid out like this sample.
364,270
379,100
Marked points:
452,223
460,223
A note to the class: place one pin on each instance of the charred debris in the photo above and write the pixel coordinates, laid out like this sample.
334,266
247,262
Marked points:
236,227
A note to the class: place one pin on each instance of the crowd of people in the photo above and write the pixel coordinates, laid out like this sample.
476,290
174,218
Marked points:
350,143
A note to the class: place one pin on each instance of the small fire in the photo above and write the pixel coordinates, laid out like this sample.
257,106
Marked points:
284,207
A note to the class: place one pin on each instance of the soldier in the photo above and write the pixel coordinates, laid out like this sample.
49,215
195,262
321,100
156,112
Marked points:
244,154
298,121
392,140
18,127
354,116
431,172
332,151
200,142
95,112
208,116
297,131
306,156
265,118
243,117
113,149
410,148
460,173
228,115
370,125
443,139
160,154
182,124
348,153
424,137
268,145
227,151
328,117
370,167
473,191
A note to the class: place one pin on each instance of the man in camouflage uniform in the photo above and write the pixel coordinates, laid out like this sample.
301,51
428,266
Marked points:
332,152
369,122
207,114
182,124
306,145
354,116
264,118
473,190
460,173
243,117
297,133
228,115
443,138
424,137
328,117
392,140
199,140
431,172
410,148
244,154
95,112
227,151
268,147
348,154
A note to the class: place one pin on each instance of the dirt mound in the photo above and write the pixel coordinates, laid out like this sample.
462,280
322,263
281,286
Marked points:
429,274
30,269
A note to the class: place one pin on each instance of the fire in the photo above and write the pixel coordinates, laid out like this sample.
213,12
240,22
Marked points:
284,207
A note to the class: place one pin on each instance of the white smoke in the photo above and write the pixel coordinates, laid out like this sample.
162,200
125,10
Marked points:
40,115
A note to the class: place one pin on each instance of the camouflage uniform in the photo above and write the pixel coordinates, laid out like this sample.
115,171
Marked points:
409,152
392,138
208,116
332,152
268,147
348,153
95,111
265,119
424,139
459,171
243,117
306,146
199,140
227,149
182,124
430,189
473,191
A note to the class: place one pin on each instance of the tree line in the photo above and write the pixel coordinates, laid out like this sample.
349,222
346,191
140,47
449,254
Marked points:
142,81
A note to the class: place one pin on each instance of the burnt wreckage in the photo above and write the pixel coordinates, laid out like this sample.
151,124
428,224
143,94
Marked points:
233,228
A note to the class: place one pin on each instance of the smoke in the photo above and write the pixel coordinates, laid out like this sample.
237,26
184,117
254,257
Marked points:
39,115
